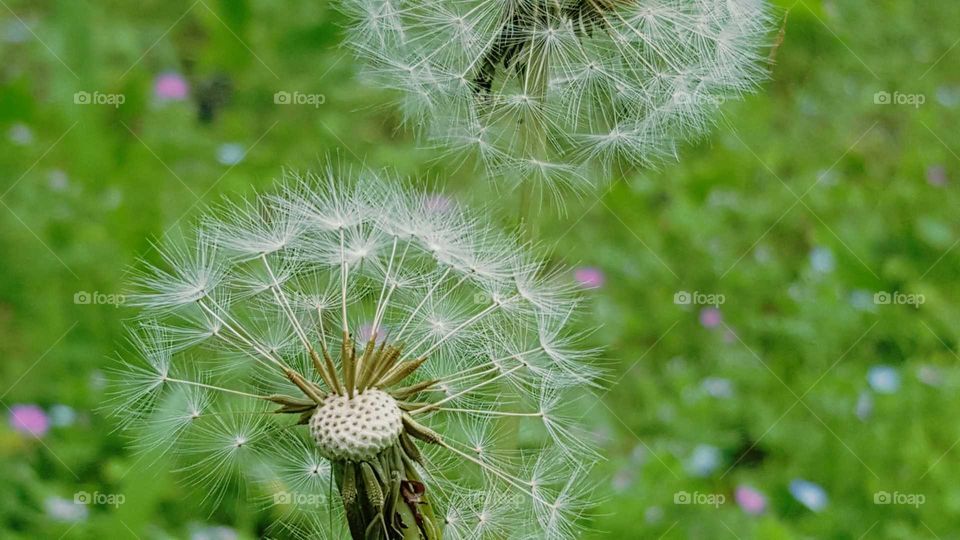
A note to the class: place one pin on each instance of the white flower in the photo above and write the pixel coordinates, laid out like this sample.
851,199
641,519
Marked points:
466,339
536,90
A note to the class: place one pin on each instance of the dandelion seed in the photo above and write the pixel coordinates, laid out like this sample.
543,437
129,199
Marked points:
539,90
344,332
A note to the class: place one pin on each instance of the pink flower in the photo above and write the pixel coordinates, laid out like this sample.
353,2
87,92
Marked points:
29,419
710,317
589,277
750,500
171,87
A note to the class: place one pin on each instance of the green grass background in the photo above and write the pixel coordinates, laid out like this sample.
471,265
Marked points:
811,169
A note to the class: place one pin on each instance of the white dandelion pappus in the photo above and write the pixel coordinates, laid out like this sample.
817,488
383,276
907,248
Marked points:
347,332
538,90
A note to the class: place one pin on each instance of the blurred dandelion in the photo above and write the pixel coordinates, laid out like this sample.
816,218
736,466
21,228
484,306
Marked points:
538,90
249,364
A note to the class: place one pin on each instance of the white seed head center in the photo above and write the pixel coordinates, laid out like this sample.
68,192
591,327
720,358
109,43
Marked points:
356,429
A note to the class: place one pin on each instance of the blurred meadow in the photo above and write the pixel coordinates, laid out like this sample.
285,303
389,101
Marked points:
778,309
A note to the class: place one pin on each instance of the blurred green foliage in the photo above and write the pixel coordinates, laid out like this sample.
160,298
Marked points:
809,199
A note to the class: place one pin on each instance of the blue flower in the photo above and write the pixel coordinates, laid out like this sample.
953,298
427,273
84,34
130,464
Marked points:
884,379
809,494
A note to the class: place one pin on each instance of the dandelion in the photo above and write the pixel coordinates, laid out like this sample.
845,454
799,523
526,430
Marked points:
536,90
366,363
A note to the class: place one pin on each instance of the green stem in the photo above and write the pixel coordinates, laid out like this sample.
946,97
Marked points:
389,503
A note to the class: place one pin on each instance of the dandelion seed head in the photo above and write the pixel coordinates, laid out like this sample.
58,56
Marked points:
344,324
536,86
